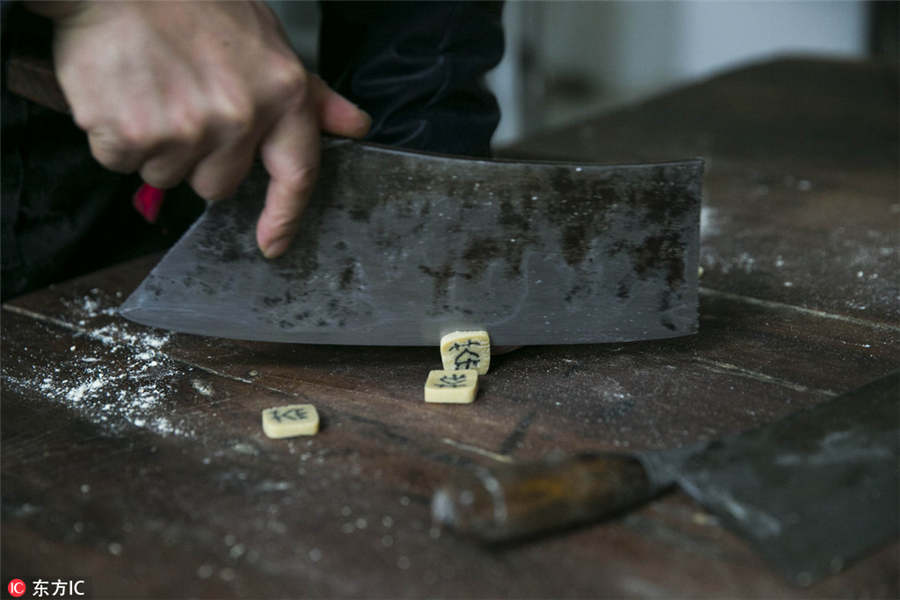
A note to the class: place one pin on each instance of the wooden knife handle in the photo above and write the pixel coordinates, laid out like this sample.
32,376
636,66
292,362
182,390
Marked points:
33,78
517,501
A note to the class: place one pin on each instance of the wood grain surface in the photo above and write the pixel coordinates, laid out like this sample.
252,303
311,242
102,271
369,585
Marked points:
134,458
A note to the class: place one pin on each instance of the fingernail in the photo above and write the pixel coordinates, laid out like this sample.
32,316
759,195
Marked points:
277,247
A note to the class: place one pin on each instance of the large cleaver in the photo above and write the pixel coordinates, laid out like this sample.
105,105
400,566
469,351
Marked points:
811,492
398,248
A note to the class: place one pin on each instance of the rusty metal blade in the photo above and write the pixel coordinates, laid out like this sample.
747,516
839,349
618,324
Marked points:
815,490
397,248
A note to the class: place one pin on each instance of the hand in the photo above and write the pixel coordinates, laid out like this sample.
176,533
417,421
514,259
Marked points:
191,90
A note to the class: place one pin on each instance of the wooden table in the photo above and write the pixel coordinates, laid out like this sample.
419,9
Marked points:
135,459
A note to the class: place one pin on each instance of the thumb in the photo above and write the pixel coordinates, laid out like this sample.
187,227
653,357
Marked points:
337,115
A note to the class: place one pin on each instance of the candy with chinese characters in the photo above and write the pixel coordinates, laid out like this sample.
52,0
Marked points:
466,350
451,387
290,421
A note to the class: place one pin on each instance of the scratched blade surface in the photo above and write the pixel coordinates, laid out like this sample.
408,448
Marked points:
397,248
814,490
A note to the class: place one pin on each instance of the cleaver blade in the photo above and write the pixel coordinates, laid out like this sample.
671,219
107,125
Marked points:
397,248
814,490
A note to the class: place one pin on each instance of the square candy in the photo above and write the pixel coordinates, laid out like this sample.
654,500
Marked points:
290,421
451,387
466,350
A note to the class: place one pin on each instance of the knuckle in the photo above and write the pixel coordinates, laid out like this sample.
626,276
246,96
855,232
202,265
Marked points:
208,189
281,222
300,178
84,119
111,154
290,80
237,116
111,161
214,188
133,135
283,216
285,222
186,130
179,129
217,177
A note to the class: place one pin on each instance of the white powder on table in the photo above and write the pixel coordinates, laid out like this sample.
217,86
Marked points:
126,383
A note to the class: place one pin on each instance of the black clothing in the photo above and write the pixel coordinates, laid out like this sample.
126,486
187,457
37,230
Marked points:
416,67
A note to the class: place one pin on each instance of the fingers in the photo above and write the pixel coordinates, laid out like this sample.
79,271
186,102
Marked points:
198,110
112,153
167,169
218,175
290,154
338,115
182,142
163,147
215,166
176,91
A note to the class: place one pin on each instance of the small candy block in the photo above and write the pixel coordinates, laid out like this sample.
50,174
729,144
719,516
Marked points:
290,421
451,387
466,350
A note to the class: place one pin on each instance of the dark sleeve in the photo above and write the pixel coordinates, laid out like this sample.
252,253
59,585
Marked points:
417,68
5,7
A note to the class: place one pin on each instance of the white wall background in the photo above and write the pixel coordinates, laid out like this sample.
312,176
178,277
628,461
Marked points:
622,50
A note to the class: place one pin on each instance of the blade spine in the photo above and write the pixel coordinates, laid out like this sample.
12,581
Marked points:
696,162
